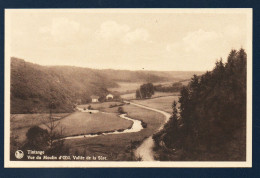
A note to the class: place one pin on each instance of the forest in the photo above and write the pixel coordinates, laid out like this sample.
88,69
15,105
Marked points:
175,87
34,87
210,123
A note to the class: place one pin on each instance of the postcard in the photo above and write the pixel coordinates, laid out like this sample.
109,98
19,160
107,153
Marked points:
128,88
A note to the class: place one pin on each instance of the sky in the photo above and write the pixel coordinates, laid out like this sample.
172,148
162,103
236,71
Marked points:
164,40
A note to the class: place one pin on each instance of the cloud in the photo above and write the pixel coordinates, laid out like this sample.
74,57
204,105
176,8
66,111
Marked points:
197,40
62,29
199,47
111,29
139,34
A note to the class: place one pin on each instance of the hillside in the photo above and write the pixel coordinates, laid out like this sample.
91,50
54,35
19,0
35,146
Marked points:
34,86
148,76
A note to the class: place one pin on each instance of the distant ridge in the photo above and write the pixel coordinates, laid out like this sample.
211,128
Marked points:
34,86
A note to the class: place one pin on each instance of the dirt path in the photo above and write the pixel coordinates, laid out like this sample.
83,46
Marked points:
145,150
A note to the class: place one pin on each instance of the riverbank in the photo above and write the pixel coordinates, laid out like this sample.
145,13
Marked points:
119,147
135,127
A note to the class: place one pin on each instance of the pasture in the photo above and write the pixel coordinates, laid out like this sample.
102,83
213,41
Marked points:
131,96
105,106
80,123
20,123
114,147
70,124
131,87
162,103
117,147
126,87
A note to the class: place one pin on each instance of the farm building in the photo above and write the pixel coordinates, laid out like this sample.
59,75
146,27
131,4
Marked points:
94,98
109,97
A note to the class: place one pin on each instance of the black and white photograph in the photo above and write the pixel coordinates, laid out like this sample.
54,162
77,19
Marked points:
128,87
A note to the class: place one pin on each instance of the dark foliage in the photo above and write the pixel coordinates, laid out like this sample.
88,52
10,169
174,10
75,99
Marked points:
121,110
33,86
212,114
175,87
37,138
145,91
41,139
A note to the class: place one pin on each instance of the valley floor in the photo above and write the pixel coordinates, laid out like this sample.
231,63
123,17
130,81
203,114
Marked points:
113,147
119,147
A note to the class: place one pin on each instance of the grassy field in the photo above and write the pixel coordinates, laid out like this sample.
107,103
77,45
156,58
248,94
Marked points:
84,123
105,107
114,147
117,147
156,94
20,123
130,87
72,124
126,87
162,103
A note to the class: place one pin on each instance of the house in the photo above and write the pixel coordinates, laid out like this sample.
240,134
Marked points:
109,97
94,99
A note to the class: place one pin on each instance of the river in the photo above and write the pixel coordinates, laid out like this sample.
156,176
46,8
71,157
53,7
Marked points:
136,127
145,150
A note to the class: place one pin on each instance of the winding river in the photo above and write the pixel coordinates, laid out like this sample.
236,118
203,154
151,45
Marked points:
136,127
145,150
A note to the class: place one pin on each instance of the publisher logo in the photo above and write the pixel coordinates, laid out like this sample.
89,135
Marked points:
19,154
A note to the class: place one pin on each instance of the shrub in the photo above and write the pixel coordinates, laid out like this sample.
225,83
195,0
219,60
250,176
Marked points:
121,110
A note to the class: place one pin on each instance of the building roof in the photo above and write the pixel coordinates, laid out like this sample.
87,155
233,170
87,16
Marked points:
94,97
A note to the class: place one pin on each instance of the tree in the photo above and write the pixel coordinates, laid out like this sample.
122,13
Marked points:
212,113
121,110
37,138
51,124
137,94
174,109
145,91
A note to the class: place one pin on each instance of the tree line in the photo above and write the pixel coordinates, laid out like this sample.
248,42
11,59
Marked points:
210,123
145,91
175,87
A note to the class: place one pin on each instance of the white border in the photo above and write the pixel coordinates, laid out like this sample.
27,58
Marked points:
52,164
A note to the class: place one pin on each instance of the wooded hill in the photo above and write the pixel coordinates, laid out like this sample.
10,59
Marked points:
211,123
34,86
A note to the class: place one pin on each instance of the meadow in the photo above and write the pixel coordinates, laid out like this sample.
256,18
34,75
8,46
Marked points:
105,106
130,87
163,103
79,123
131,96
126,87
114,147
118,147
20,123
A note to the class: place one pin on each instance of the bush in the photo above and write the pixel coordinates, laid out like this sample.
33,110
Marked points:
144,125
37,138
121,110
